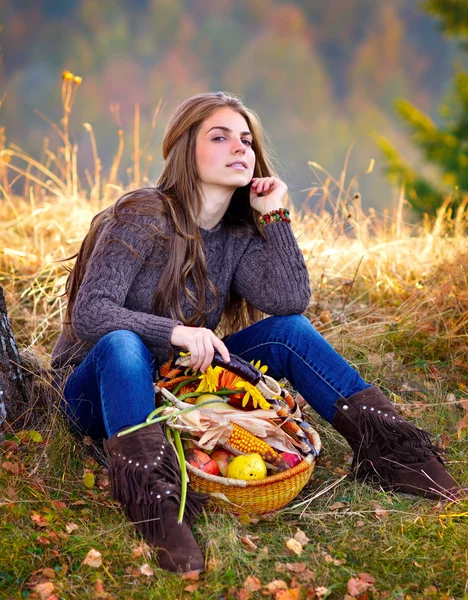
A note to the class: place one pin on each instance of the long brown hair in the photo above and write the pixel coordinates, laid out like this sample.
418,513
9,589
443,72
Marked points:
177,196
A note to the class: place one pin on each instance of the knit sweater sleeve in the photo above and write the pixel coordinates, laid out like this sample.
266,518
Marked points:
115,261
272,274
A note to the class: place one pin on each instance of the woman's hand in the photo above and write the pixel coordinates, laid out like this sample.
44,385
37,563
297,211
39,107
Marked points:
201,343
267,193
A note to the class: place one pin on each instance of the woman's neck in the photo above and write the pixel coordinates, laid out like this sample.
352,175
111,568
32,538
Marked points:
215,202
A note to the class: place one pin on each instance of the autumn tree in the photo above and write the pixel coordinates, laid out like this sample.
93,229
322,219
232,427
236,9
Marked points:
444,147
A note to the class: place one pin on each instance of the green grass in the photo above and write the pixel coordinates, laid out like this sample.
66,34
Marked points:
413,548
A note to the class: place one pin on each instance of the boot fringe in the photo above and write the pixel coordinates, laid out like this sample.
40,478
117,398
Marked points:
382,438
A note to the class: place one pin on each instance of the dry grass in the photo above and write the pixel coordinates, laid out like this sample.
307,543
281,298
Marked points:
391,296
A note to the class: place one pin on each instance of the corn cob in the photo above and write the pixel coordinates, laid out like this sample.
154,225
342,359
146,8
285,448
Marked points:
247,443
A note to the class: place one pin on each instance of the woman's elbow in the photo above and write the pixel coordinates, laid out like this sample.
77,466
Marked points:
86,324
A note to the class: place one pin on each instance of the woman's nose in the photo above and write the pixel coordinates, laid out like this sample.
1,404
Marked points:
238,146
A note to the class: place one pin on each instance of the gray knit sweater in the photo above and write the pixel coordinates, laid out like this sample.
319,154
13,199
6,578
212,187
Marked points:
117,291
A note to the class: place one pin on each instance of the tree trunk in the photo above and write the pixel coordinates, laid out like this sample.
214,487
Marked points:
14,398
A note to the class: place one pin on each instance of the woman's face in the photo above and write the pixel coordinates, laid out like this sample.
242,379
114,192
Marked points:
223,150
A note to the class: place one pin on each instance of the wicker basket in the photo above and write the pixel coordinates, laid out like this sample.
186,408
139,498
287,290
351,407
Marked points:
253,497
258,497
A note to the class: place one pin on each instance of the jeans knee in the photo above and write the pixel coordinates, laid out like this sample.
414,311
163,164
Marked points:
289,326
123,346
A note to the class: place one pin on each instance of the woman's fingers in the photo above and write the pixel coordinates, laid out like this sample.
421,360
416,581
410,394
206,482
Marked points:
209,353
201,343
200,353
222,349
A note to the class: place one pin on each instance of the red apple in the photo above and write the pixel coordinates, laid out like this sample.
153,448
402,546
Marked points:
199,459
223,458
291,459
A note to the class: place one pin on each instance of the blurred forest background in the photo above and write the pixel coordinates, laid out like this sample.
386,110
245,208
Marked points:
321,75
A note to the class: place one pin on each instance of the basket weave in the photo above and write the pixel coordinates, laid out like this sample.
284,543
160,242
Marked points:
253,497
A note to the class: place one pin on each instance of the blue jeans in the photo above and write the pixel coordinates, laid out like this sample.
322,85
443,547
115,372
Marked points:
113,387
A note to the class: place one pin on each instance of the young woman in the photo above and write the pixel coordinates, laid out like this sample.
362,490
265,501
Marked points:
211,245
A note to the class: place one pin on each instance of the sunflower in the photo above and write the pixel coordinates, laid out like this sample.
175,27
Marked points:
251,392
258,366
209,380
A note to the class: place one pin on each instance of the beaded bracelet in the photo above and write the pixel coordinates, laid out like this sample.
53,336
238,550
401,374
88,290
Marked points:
275,216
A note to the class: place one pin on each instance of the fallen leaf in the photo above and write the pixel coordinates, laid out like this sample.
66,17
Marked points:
48,572
39,520
340,471
252,583
13,467
88,479
103,482
44,590
98,588
336,561
93,558
294,546
248,541
12,494
71,527
321,591
306,575
9,445
141,550
132,571
193,587
366,577
290,594
296,567
360,523
35,436
357,586
276,585
337,505
380,512
146,570
214,564
58,505
43,540
191,575
301,537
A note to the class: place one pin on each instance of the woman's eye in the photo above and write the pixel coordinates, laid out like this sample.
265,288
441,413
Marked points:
219,137
249,143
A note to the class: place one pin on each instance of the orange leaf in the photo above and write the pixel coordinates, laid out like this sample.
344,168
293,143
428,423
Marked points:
48,572
357,586
462,426
93,558
44,590
276,585
366,577
252,583
191,575
296,567
13,467
301,537
146,570
193,587
39,520
294,546
291,594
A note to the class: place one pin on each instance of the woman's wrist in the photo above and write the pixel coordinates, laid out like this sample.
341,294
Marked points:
277,215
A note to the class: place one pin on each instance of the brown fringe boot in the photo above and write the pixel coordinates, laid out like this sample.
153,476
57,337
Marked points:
397,454
145,479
